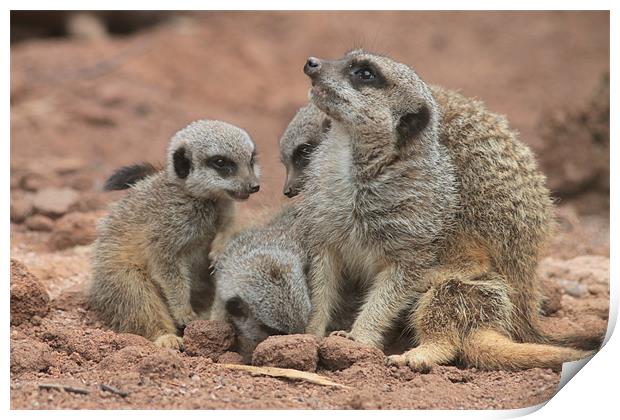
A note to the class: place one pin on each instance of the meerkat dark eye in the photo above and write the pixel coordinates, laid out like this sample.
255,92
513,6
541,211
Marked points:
253,159
302,155
365,73
236,307
223,165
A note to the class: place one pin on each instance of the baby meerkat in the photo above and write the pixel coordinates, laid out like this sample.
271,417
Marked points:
261,284
433,202
300,139
152,247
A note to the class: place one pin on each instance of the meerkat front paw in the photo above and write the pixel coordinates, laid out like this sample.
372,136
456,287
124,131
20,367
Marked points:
344,334
169,341
418,362
185,317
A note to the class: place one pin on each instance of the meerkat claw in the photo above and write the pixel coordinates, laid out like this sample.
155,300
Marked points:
169,341
343,334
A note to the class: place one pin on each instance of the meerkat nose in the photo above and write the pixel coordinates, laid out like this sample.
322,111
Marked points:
312,66
254,188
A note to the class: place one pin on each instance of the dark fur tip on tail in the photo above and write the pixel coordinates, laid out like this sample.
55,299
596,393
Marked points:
127,176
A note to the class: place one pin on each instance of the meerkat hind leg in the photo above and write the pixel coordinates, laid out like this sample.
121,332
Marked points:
131,303
447,311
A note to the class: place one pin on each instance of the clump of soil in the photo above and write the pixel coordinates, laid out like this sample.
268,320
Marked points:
337,353
28,297
296,351
208,338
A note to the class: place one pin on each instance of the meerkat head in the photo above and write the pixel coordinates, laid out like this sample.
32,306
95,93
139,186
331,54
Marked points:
212,158
373,94
264,294
301,137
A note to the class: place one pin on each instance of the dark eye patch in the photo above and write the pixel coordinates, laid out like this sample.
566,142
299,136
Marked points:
302,155
182,164
365,73
253,159
236,307
223,165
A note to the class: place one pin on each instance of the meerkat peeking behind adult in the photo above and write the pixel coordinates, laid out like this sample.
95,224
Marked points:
153,245
261,282
300,139
433,202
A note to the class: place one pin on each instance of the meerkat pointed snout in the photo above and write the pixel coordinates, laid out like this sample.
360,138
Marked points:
300,139
150,259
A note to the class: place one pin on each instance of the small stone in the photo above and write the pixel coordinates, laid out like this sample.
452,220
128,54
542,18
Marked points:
208,338
33,182
297,351
64,166
39,223
337,353
54,202
21,208
74,229
573,288
29,355
28,296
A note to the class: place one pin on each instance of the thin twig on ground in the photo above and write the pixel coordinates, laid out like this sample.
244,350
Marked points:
65,388
113,390
285,373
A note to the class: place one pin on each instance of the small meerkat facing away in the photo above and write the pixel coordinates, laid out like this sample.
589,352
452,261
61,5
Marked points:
261,284
152,247
435,204
301,137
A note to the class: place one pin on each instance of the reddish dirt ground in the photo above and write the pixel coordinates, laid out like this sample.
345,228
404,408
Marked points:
81,108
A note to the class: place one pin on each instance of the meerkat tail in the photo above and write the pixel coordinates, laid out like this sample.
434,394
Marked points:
488,349
579,340
125,177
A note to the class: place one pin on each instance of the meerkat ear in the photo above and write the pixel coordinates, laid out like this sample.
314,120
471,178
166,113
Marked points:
182,165
412,124
236,307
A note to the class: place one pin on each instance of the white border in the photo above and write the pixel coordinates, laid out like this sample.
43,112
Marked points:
591,395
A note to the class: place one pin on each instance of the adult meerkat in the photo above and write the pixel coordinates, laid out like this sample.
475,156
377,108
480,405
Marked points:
261,284
431,200
153,245
301,137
